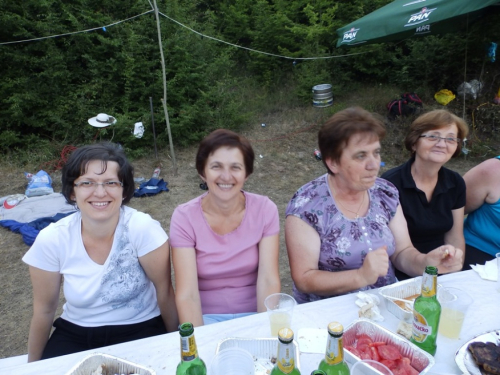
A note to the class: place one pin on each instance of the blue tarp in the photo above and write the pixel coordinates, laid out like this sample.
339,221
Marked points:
30,230
151,187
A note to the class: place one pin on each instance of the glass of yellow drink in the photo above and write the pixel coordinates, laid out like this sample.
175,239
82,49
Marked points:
454,305
280,310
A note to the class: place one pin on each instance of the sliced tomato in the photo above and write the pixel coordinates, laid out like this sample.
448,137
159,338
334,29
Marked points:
389,352
366,354
406,360
362,347
388,363
363,341
353,350
398,371
363,336
374,353
378,343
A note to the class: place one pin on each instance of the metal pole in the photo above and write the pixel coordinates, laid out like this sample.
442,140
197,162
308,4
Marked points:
153,125
164,99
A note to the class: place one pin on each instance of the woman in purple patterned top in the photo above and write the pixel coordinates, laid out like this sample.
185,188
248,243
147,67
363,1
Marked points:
345,230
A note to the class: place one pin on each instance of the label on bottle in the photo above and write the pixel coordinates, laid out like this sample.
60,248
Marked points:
429,285
334,350
286,360
188,348
421,330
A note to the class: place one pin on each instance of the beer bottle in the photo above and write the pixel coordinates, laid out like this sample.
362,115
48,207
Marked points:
285,362
317,372
426,313
190,363
333,363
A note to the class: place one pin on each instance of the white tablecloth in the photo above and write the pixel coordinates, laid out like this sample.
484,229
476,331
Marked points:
162,352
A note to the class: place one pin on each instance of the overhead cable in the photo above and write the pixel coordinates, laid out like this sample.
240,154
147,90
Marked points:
77,32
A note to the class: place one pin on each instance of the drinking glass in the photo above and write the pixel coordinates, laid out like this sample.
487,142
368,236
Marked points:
454,305
232,361
279,309
369,367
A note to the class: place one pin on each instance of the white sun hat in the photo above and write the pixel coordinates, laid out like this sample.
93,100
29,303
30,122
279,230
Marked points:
102,120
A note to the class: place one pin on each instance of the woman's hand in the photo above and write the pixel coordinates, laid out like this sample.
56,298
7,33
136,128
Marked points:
446,258
375,265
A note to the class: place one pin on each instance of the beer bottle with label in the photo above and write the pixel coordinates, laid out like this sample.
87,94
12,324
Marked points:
285,362
426,313
191,363
333,363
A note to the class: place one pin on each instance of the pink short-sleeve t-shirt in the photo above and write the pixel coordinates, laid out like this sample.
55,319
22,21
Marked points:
227,265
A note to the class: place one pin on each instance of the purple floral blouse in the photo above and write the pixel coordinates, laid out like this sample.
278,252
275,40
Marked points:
345,242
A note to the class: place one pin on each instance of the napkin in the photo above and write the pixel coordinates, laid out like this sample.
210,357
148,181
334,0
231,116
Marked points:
368,304
488,271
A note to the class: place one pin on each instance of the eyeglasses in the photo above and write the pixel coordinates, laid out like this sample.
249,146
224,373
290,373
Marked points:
437,138
92,185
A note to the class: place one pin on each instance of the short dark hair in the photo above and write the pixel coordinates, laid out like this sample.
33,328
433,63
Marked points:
436,119
224,138
335,133
78,162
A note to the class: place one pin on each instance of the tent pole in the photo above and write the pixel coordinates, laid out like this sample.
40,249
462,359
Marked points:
164,99
465,67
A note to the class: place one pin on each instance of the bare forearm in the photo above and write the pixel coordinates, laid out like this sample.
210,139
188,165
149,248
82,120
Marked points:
265,288
189,311
410,261
326,283
40,327
168,309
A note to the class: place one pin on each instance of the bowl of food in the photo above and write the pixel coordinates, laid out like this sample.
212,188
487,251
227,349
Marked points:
365,340
399,297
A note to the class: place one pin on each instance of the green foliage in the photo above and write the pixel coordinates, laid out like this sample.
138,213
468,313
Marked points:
50,87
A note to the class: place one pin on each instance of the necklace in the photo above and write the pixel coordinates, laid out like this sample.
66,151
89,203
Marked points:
345,208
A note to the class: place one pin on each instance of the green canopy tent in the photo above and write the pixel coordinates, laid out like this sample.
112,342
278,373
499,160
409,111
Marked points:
404,19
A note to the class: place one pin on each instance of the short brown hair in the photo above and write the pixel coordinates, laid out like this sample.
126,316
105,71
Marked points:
436,119
224,138
104,152
338,129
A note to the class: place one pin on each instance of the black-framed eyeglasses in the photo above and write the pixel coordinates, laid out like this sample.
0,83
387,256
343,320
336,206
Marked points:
437,138
92,185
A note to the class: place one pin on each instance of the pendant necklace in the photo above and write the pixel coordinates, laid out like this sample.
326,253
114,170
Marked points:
345,208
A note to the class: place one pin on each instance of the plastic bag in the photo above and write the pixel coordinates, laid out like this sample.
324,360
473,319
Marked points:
39,184
444,96
471,89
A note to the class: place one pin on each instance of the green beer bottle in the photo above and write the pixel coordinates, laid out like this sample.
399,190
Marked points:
285,362
190,363
333,363
317,372
426,313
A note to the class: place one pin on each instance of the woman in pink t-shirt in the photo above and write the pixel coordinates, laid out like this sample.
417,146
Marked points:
226,241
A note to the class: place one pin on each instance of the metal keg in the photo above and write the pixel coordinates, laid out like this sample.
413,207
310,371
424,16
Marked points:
322,95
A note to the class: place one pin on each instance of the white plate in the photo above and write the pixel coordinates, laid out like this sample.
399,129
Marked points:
464,359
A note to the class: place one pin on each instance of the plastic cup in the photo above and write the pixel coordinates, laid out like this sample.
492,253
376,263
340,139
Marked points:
498,272
454,305
279,310
369,367
232,361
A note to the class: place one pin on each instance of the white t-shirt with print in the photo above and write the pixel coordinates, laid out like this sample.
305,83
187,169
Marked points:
115,293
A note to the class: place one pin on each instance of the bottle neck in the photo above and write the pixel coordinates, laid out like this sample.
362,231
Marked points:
429,285
189,351
286,357
334,350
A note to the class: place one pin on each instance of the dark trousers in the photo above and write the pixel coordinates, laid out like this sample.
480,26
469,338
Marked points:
70,338
475,256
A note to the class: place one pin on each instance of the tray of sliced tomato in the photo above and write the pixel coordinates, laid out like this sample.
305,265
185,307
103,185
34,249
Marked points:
364,339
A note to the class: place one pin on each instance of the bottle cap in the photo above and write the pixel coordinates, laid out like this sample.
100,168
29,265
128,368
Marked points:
285,334
335,328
